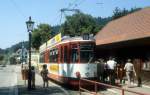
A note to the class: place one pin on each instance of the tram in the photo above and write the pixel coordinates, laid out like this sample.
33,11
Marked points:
68,58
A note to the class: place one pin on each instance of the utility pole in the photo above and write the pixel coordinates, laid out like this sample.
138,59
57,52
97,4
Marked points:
22,54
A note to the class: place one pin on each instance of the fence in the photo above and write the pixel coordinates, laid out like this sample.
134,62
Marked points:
106,85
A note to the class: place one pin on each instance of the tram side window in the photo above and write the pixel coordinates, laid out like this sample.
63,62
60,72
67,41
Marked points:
51,56
55,56
74,55
42,58
85,55
61,55
65,54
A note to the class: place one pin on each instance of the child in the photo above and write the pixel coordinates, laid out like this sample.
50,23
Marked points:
44,73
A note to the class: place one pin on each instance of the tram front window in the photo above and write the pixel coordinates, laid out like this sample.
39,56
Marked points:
86,53
74,55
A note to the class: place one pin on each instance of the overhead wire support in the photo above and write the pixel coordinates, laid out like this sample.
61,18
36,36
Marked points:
75,5
71,4
67,9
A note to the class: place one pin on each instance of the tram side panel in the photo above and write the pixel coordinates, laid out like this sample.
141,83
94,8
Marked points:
60,67
67,73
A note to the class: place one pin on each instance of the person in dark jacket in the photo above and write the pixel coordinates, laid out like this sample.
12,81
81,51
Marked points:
32,77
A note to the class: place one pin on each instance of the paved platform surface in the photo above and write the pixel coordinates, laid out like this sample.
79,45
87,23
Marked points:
113,91
51,90
55,89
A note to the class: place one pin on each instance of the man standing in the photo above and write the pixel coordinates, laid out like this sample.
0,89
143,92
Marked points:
100,69
111,70
129,71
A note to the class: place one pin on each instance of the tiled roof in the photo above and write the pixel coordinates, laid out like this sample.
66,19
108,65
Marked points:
130,27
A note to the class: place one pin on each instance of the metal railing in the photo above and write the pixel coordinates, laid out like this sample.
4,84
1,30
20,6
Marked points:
106,85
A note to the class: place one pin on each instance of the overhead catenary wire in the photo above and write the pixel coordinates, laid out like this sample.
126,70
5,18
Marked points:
71,4
18,9
60,15
76,5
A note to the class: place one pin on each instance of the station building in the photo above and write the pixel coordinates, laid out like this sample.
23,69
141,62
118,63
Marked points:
128,37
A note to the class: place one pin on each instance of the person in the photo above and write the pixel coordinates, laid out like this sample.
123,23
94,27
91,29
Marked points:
44,74
129,71
111,65
100,69
120,72
32,77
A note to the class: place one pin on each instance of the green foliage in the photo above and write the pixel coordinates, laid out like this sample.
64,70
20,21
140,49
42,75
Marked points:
12,60
119,13
55,30
101,22
15,47
41,34
79,23
1,57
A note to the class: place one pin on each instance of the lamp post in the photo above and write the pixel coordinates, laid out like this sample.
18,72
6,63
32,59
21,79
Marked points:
30,25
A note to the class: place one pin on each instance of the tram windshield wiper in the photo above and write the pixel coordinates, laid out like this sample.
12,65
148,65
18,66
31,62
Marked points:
90,60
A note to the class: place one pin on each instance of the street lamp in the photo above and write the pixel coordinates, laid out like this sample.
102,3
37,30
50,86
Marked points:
30,25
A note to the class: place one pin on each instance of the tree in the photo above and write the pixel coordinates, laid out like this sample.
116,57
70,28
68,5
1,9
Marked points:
79,23
117,13
1,57
41,34
101,22
12,60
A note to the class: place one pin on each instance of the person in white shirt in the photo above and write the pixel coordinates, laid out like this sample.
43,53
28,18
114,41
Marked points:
111,65
129,67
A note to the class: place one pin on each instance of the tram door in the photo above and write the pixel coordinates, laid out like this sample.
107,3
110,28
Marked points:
75,54
64,54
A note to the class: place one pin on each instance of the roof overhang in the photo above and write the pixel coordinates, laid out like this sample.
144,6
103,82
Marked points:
132,28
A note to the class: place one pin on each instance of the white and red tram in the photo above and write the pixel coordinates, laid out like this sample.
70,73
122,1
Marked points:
69,58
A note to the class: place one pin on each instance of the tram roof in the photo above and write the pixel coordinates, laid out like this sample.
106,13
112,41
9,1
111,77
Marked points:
131,27
73,39
66,39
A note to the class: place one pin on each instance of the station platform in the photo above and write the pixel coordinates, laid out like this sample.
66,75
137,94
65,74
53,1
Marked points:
113,91
120,89
53,88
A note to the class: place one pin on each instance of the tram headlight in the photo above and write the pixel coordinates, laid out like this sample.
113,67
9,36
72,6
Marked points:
78,75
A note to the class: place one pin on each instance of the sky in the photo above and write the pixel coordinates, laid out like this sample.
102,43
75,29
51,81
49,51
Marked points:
14,14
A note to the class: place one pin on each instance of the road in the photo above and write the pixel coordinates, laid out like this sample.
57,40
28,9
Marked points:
8,80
